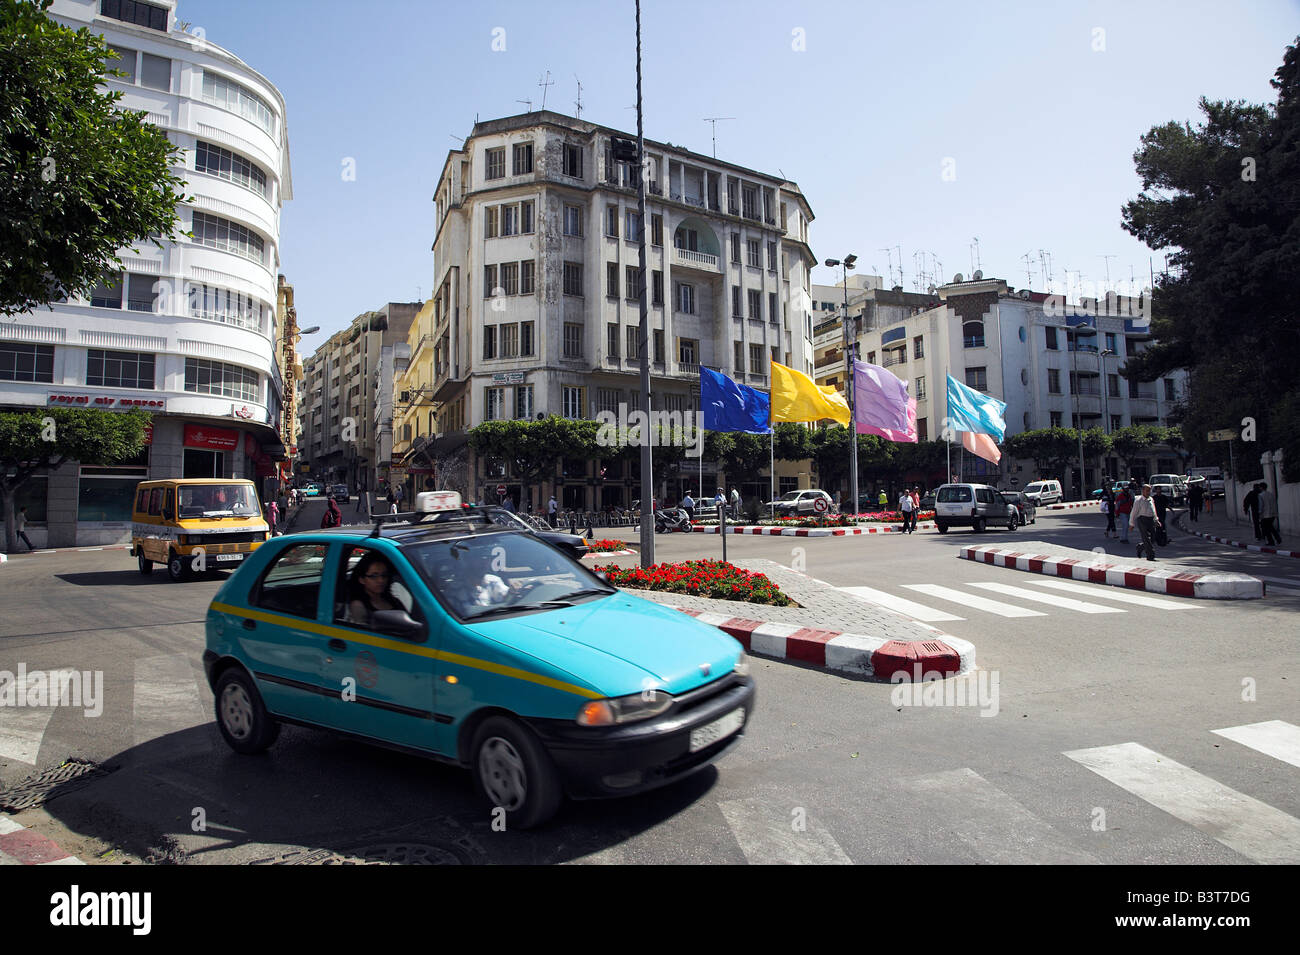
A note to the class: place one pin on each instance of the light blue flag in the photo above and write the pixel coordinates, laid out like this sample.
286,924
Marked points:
971,410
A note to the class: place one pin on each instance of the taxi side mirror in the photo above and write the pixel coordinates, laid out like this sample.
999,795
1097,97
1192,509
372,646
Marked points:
399,623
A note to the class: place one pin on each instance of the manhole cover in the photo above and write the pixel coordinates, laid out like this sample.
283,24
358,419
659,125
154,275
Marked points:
59,781
410,853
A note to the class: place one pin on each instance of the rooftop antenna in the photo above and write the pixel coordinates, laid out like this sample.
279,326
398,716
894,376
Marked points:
526,102
715,120
1106,259
901,277
1029,272
578,102
975,254
1045,260
889,261
544,84
460,138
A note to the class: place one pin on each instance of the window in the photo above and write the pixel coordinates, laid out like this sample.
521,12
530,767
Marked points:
527,282
495,163
635,286
752,253
140,292
656,230
572,278
510,278
918,347
920,387
119,369
1116,422
523,401
489,341
522,159
735,248
871,358
755,304
972,335
632,225
572,161
1112,385
611,279
611,340
509,341
155,72
573,220
1053,381
494,404
292,584
19,362
657,288
1055,418
572,340
1110,341
1050,332
216,161
686,298
490,222
124,64
773,315
771,256
659,344
571,401
607,400
756,359
687,239
108,292
749,198
611,221
509,220
489,280
217,378
688,350
218,233
525,339
1169,390
134,11
216,304
922,429
738,357
229,95
977,378
633,341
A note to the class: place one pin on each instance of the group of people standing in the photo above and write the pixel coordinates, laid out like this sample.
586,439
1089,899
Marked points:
909,505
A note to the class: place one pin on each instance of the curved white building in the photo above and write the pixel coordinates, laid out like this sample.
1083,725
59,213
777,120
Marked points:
188,331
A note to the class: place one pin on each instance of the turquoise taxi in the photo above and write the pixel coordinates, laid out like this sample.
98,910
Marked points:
476,644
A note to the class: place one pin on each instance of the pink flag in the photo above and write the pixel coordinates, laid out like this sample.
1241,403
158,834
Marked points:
906,436
982,445
882,405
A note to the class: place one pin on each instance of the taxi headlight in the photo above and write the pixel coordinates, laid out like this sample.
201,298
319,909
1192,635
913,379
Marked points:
624,709
742,664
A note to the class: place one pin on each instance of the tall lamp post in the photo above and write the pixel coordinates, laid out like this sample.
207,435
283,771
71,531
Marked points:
643,334
846,264
1078,418
1105,389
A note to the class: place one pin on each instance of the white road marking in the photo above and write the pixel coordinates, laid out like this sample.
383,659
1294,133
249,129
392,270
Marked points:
22,727
994,825
7,825
974,602
1116,594
766,834
1066,603
900,605
167,700
1272,738
1245,825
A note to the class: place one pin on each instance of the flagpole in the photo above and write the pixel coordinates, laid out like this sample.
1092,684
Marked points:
771,469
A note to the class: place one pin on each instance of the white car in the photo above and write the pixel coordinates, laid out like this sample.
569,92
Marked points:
801,503
1044,492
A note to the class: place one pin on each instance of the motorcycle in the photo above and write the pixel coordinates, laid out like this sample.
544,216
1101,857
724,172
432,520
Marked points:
669,519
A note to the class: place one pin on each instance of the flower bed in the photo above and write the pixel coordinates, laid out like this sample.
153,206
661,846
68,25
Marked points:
700,578
604,545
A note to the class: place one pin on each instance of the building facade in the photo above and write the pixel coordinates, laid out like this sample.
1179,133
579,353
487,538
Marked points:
190,331
537,285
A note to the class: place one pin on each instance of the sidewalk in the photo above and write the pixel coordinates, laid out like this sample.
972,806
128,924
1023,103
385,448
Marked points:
1219,527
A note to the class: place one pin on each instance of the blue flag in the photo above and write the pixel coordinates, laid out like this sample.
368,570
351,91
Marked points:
728,406
971,410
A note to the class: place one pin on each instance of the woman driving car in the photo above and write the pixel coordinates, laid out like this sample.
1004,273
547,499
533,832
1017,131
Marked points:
370,589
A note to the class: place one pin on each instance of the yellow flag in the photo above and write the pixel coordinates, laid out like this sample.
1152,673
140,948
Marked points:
796,397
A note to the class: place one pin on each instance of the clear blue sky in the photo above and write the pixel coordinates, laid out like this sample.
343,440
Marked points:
1041,126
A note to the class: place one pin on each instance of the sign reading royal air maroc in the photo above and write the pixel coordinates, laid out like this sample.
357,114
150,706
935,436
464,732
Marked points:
103,401
214,439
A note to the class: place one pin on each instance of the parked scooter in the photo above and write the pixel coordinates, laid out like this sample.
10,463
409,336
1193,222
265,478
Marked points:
669,519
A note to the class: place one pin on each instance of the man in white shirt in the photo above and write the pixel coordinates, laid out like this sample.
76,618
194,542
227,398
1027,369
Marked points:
1268,516
688,505
1143,517
905,504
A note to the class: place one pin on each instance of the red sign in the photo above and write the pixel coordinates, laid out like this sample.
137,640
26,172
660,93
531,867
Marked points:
501,490
215,439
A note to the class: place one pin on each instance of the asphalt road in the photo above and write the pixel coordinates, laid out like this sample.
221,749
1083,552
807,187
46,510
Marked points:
1100,745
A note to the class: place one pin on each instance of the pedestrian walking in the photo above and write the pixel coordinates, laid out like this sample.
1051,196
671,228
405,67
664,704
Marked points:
905,506
391,499
688,505
883,500
333,516
1108,508
362,500
735,503
1268,516
1250,504
1161,501
916,505
1195,498
399,492
1124,508
551,508
273,515
1142,515
21,519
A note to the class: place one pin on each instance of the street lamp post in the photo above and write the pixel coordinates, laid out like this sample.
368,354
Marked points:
1105,392
847,263
643,333
1078,418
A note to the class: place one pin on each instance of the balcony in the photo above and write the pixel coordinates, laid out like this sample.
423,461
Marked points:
835,358
688,368
757,378
700,261
893,360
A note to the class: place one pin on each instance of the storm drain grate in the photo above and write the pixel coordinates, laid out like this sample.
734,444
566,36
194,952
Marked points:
386,853
58,781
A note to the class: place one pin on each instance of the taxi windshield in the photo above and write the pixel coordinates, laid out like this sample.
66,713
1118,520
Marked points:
497,574
217,500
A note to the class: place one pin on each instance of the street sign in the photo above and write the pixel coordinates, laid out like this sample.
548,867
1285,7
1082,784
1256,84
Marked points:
1227,434
501,490
819,505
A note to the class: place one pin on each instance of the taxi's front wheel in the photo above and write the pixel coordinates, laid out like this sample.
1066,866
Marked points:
241,716
513,772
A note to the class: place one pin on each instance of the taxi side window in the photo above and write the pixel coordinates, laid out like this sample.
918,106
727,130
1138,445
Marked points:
369,582
292,583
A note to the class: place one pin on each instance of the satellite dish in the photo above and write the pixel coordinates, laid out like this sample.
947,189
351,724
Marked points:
958,278
977,276
1024,293
931,289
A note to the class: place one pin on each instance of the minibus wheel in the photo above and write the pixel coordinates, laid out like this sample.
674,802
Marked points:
146,565
176,568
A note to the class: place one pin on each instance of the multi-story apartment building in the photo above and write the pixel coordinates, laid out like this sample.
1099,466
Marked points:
341,384
537,281
188,332
1055,365
871,305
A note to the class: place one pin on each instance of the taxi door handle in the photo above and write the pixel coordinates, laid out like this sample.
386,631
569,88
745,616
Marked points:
338,645
249,624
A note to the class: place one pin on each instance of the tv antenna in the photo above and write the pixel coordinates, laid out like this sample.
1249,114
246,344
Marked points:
1029,272
1106,259
545,84
461,139
526,102
975,254
715,120
889,262
1045,260
578,102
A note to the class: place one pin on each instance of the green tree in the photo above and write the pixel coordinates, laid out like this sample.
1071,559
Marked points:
33,441
1129,442
793,441
1051,449
1225,196
534,448
79,179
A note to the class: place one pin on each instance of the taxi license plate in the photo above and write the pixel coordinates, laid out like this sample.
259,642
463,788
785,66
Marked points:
710,733
229,556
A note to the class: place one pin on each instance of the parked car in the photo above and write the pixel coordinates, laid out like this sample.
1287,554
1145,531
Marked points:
1214,475
1027,512
505,656
311,490
927,502
972,505
1177,489
340,492
440,507
801,503
1044,492
1115,488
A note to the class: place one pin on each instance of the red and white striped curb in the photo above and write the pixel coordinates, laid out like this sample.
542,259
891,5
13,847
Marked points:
1132,575
1066,507
25,847
811,531
1257,548
845,652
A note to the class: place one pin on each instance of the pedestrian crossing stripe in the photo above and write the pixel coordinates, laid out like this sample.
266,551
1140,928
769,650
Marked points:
1272,738
901,605
1067,603
1120,596
766,836
970,600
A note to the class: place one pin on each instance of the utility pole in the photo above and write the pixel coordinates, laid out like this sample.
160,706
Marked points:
643,335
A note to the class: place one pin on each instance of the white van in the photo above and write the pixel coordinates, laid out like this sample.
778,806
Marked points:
1044,492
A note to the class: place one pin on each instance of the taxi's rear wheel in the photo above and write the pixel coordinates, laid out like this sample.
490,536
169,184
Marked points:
177,569
242,718
512,771
146,565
